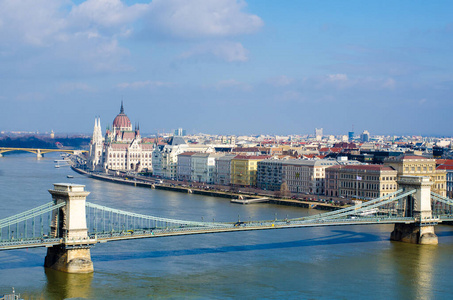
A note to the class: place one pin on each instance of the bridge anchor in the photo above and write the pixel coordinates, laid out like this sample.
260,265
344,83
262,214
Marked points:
69,223
417,205
69,260
414,234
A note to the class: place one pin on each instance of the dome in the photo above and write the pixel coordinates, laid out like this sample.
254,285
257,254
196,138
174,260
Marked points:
121,121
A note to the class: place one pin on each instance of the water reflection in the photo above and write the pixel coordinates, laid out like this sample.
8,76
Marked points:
62,285
415,266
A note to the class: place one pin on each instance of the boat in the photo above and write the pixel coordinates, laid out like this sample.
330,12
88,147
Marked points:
12,296
70,176
57,166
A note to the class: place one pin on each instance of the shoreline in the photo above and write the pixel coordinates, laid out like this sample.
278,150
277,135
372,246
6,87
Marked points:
140,182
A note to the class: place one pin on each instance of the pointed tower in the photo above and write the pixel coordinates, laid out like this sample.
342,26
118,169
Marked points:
96,145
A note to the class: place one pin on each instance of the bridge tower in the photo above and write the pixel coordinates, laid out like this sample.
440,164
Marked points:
417,205
69,224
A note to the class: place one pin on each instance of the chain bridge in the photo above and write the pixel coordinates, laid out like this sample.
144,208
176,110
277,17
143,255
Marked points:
69,226
39,152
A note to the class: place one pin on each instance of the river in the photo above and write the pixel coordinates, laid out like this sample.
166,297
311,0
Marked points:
346,262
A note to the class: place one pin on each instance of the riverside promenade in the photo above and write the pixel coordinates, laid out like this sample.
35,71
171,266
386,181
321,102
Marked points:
161,184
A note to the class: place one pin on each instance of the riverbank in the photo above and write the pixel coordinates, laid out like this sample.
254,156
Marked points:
162,185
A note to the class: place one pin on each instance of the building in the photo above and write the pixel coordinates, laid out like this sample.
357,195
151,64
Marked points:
184,166
203,167
447,166
122,148
269,174
180,132
360,181
223,169
365,136
318,134
165,156
420,166
243,169
306,176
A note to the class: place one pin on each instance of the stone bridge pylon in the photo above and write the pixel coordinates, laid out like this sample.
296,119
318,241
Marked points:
418,206
69,224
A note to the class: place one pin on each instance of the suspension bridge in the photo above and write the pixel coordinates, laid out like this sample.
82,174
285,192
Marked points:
39,152
69,225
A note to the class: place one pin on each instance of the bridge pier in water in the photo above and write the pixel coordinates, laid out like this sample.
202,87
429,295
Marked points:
417,205
69,223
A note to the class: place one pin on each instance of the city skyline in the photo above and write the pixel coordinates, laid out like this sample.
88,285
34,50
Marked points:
227,67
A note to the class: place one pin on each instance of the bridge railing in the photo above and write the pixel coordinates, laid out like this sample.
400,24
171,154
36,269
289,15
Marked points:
102,219
29,225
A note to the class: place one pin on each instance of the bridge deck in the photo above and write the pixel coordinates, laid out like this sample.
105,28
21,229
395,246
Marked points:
241,226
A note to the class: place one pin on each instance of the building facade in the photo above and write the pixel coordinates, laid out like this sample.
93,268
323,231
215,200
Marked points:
306,176
184,166
203,167
243,169
420,166
269,175
223,169
122,149
360,181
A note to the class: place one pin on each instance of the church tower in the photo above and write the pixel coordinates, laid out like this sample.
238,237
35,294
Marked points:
96,145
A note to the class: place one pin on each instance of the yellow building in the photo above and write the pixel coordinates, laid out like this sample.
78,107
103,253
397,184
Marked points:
243,169
420,166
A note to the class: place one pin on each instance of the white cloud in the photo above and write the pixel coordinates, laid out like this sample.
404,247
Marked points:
55,33
337,77
200,18
227,51
106,13
280,81
31,22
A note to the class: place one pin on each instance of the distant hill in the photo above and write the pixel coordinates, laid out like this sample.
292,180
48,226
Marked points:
46,143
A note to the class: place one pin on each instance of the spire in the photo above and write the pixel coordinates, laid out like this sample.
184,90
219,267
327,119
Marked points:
122,108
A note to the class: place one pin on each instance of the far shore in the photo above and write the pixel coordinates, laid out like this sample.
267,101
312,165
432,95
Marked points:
204,189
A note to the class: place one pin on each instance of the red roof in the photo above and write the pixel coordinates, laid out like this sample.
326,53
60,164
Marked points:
128,135
445,167
448,162
147,146
249,157
187,153
363,167
121,120
120,146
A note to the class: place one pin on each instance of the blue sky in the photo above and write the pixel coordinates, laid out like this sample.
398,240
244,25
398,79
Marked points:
228,67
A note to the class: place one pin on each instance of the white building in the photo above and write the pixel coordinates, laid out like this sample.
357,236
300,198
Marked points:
203,167
122,148
184,166
165,157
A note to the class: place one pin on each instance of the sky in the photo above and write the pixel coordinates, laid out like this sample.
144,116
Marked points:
228,66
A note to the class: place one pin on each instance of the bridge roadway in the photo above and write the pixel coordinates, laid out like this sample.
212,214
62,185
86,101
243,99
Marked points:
38,151
95,238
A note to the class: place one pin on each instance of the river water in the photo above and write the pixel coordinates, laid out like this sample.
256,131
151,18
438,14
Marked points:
347,262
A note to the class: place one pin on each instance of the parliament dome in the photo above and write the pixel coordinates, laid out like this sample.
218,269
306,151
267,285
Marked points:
121,121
